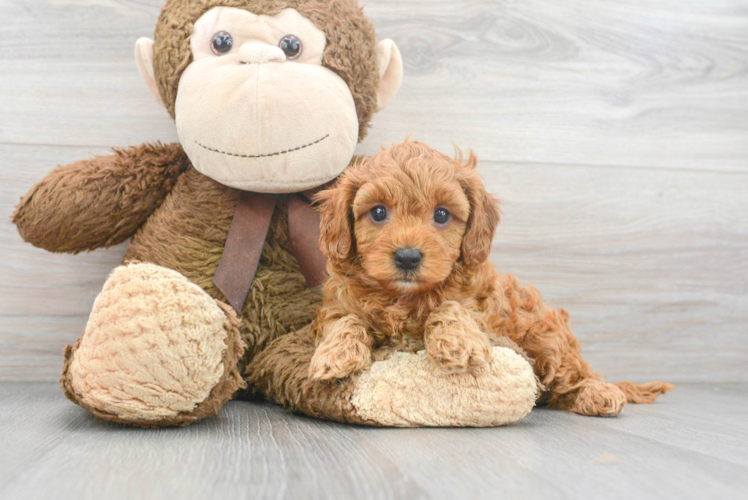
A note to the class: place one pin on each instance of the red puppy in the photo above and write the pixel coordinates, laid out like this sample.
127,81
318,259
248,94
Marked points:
407,235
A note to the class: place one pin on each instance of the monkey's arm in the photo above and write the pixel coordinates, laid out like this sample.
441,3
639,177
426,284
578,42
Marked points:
99,202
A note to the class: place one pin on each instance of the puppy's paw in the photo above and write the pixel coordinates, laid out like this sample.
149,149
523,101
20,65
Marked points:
457,352
454,341
345,349
598,398
338,361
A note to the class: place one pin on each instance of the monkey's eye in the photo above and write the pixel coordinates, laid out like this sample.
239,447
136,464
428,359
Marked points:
291,46
378,213
441,216
222,43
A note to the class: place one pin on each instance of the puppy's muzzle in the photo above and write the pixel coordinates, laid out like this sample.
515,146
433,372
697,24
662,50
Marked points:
407,259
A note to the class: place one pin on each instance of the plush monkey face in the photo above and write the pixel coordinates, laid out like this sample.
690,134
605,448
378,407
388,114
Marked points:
254,117
263,103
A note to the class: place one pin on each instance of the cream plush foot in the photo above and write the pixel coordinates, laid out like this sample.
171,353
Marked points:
409,390
157,351
403,390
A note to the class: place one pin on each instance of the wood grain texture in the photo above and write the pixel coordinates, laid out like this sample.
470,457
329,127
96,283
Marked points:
659,83
616,133
690,444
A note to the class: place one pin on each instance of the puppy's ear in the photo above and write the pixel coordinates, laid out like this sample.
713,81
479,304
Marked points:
336,226
484,217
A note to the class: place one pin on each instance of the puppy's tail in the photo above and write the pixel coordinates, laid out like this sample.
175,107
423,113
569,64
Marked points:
644,393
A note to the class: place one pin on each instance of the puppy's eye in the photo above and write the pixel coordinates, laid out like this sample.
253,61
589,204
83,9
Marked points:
222,43
378,213
291,46
441,216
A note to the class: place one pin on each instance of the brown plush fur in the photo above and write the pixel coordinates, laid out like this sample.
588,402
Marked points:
100,202
183,229
187,234
350,49
280,374
455,300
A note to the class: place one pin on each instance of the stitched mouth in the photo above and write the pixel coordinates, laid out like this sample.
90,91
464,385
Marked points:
266,155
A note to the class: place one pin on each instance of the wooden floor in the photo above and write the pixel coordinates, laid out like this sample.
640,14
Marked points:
693,443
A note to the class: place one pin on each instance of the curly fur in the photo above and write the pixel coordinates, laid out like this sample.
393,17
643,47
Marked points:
345,349
455,300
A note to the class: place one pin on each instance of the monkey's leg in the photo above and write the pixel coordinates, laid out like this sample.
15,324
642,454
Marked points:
157,351
400,389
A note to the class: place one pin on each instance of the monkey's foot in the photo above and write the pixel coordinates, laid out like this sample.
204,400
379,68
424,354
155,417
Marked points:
404,390
598,398
157,351
409,390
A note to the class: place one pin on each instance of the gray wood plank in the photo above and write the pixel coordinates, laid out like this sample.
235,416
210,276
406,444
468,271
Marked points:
651,264
661,83
691,444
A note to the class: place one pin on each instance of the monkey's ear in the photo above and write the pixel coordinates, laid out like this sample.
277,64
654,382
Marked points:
144,58
390,72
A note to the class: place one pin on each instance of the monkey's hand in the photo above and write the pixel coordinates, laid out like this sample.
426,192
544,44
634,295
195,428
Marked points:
453,339
99,202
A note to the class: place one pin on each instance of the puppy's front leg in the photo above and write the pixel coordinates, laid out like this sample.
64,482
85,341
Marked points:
344,348
453,339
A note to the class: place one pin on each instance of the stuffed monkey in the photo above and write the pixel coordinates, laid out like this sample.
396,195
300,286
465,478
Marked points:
270,98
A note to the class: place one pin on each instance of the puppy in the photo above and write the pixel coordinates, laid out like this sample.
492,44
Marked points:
407,235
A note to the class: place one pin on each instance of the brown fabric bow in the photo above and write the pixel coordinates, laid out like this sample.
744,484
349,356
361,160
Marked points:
246,238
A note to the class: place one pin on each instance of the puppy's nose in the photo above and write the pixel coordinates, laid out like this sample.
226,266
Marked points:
407,259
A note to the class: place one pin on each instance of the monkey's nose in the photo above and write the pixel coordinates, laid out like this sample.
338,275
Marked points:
257,53
407,259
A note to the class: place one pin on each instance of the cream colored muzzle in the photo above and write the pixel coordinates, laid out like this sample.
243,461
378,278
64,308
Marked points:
258,53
